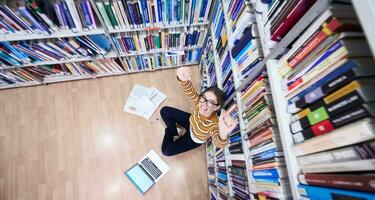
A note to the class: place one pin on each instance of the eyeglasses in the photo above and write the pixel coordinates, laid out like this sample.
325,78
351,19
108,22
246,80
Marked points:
209,103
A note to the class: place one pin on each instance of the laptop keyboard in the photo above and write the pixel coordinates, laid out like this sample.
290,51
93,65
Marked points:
151,168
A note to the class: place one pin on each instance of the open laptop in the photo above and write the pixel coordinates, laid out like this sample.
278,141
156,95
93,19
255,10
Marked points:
147,171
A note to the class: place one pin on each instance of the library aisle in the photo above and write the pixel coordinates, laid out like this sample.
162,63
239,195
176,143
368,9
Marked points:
72,140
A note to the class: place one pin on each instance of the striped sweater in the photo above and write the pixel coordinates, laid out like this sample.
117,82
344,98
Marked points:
202,127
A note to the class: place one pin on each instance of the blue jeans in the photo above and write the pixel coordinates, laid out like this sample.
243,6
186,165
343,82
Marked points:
171,116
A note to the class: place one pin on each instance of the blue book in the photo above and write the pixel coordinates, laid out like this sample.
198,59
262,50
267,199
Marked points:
168,10
243,43
68,16
177,10
6,26
132,13
88,45
204,8
342,69
219,26
25,12
15,18
101,40
269,180
21,55
216,12
86,13
268,174
9,59
325,193
63,15
160,10
192,11
237,9
271,153
118,46
146,19
317,61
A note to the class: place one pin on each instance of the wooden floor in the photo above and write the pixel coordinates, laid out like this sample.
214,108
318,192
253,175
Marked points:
73,140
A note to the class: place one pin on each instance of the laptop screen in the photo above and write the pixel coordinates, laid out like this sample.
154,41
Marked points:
140,178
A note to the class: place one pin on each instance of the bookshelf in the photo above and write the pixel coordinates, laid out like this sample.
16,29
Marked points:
273,51
72,24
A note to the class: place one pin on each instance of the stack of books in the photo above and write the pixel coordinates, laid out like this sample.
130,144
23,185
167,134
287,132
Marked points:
235,139
329,80
142,42
238,177
45,74
120,14
237,166
209,63
266,158
219,32
227,76
25,52
211,165
49,18
280,18
246,49
162,60
222,175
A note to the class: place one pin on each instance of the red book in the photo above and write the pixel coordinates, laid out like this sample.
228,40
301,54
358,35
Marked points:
122,45
238,163
327,29
261,77
298,11
360,182
322,127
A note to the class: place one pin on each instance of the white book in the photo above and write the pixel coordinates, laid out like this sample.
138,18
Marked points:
115,15
349,166
354,133
123,14
156,11
118,14
68,55
74,14
207,10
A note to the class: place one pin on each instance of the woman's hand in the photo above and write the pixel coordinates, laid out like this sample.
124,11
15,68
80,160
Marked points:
184,73
226,124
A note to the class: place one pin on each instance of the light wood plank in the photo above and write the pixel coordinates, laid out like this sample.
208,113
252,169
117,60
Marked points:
73,140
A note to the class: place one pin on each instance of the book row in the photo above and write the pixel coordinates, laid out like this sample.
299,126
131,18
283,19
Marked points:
328,77
120,14
142,42
208,66
47,18
49,73
267,162
161,60
25,52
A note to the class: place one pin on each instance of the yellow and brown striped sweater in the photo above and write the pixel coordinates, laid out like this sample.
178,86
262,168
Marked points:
202,127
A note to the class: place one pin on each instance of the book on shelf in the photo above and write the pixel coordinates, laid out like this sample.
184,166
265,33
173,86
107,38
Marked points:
324,121
340,137
143,42
316,192
120,14
47,18
25,52
57,72
350,70
360,182
341,51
